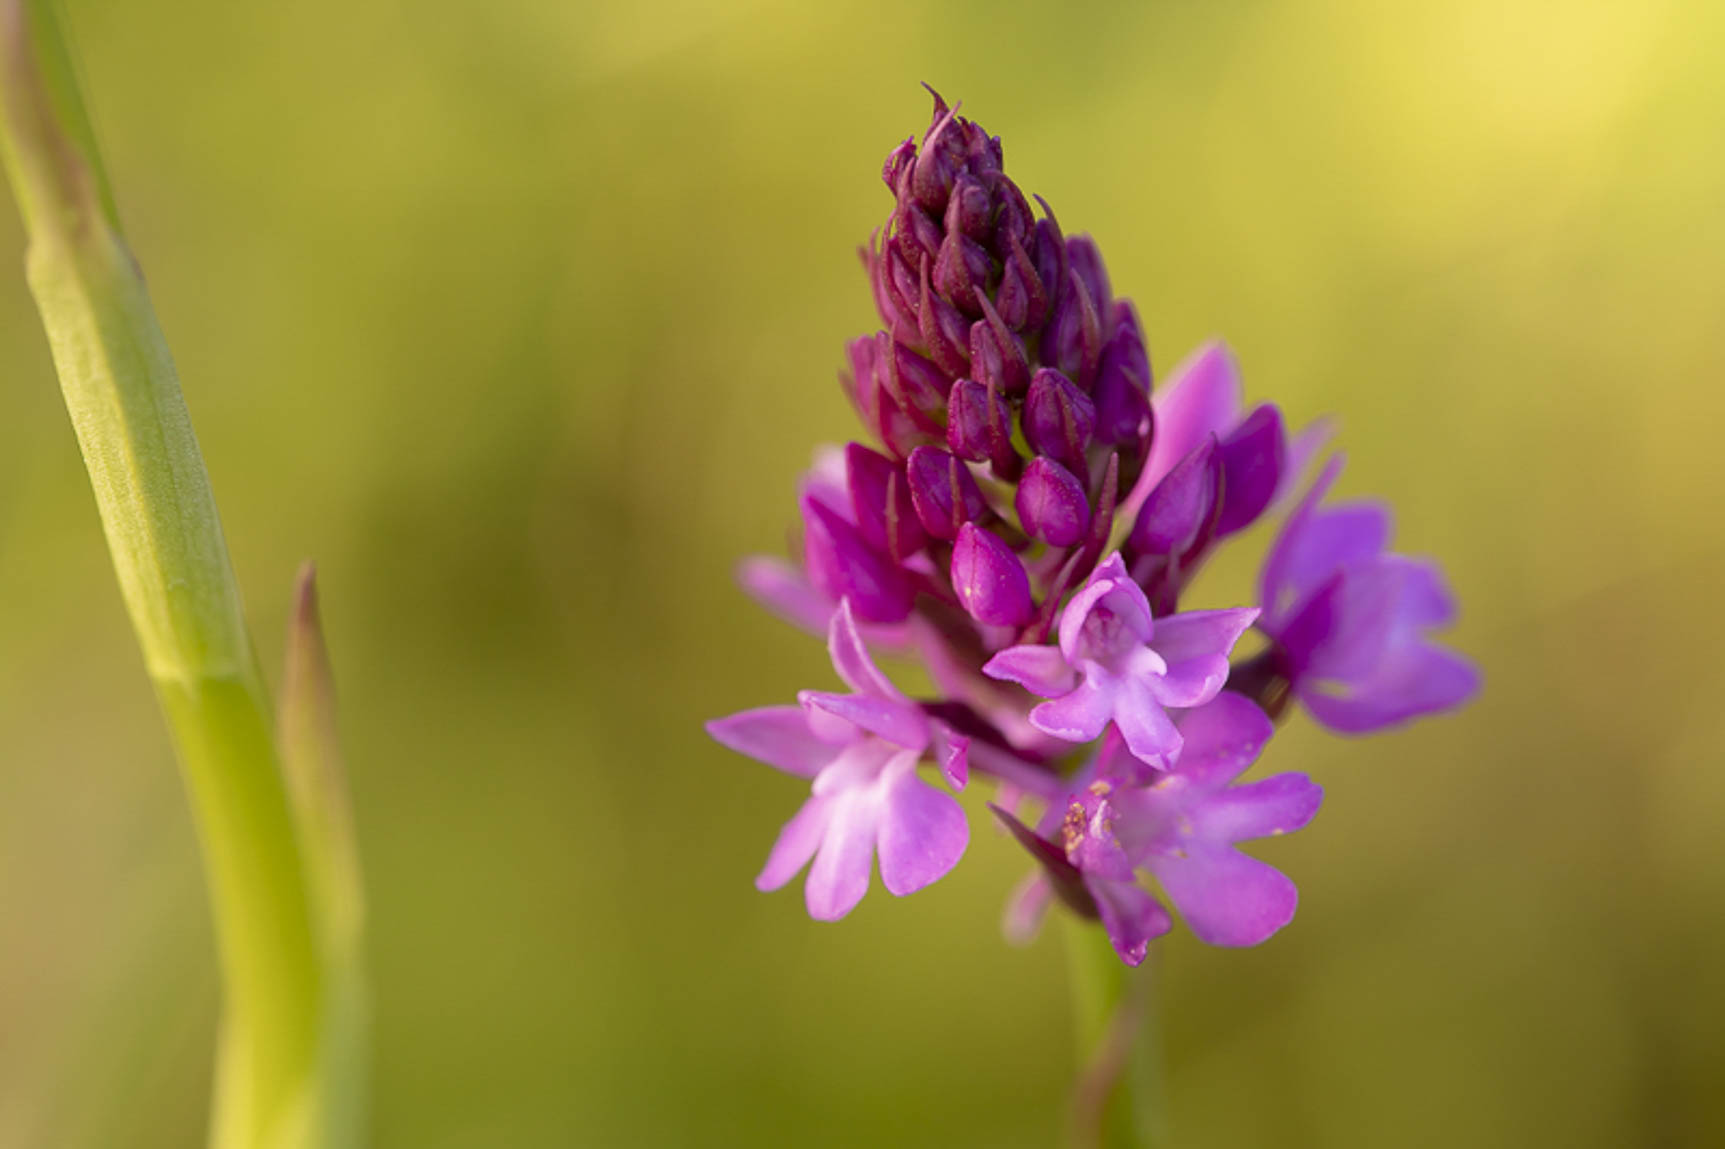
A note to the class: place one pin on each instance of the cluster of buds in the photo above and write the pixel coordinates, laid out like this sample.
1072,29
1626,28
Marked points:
1028,523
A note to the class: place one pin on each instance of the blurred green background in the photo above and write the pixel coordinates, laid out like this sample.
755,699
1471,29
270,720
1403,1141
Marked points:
522,318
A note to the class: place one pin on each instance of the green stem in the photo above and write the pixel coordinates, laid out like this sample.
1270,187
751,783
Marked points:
159,515
1119,1100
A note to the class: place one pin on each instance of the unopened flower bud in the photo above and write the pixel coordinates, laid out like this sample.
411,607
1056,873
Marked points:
990,581
979,424
968,210
898,164
917,385
943,492
1023,298
1085,261
1181,511
841,564
944,330
1122,391
1072,340
1059,419
880,496
881,414
1051,504
961,271
996,354
939,160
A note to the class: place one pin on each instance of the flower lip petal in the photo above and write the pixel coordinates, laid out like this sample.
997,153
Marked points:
1226,897
923,833
840,876
796,844
1149,733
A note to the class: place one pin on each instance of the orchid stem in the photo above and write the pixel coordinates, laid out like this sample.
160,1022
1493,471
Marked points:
278,957
1119,1100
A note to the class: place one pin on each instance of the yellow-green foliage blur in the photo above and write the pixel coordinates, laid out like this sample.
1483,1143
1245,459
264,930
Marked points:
522,318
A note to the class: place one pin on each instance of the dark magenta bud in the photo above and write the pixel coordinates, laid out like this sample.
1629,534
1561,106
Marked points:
979,424
996,354
880,497
841,564
1022,299
990,581
961,271
945,332
1051,504
1072,340
898,164
1122,391
880,412
1049,255
943,492
938,162
1180,513
1086,263
1059,419
916,232
1252,458
968,210
917,385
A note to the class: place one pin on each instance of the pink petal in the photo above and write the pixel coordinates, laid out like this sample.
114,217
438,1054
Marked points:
777,735
851,658
1040,669
1227,898
1222,739
923,834
1196,646
1079,716
1426,598
1315,543
1420,678
1262,809
782,589
1200,398
1111,587
1149,733
900,723
1302,449
840,876
1199,632
797,843
1026,906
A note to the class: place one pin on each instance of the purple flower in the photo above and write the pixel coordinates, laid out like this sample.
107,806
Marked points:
861,750
1350,620
1181,829
1116,664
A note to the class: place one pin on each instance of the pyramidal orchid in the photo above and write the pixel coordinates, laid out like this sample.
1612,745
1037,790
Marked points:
1026,515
